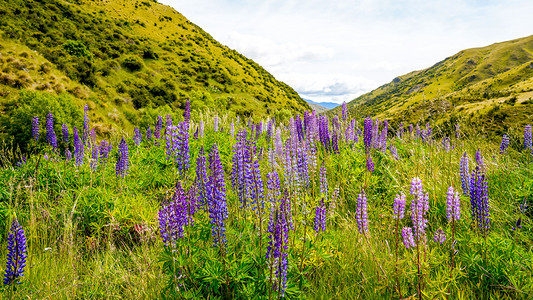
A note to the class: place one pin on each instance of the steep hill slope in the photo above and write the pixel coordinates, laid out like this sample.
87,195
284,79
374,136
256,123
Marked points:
128,57
492,85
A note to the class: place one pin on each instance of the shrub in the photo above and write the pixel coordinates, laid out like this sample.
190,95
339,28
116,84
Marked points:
133,63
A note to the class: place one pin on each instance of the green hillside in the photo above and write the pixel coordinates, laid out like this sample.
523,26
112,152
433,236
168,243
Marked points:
127,59
491,85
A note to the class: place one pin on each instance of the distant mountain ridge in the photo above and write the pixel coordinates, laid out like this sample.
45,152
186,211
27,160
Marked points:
490,85
328,105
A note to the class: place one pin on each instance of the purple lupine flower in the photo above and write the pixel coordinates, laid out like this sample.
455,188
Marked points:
303,166
35,127
68,155
201,177
123,161
439,237
137,136
457,131
278,245
411,129
320,217
408,238
393,151
344,111
324,182
78,148
369,163
216,198
22,162
504,144
479,158
175,215
479,199
169,124
50,134
240,165
400,130
16,253
65,133
215,123
104,152
94,158
464,171
334,143
254,182
148,133
231,130
418,132
527,137
375,132
323,130
446,142
270,129
383,137
361,214
419,208
398,208
178,145
273,189
368,134
158,127
93,136
85,123
453,205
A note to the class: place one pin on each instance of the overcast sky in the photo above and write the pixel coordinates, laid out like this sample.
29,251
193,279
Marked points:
335,50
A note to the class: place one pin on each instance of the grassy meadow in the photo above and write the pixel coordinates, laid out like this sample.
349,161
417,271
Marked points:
93,234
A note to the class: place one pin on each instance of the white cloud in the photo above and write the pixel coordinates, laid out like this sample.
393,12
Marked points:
335,50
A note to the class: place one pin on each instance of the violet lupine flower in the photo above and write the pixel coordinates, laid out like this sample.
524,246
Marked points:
464,171
258,130
453,205
35,127
68,155
411,129
361,214
175,215
93,136
408,238
457,131
231,130
104,152
216,198
50,134
398,208
419,208
65,133
215,123
123,161
368,134
137,136
169,124
369,163
85,123
479,200
320,217
418,132
394,151
479,158
504,144
344,111
383,137
240,165
270,129
201,177
527,137
324,182
323,131
375,134
446,144
334,142
178,145
303,166
254,182
158,127
400,130
78,148
94,158
16,253
278,244
273,189
439,237
148,133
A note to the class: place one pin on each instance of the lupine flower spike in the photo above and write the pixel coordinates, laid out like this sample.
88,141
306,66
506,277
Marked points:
17,253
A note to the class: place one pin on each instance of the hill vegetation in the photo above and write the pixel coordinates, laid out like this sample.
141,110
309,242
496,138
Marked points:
127,59
490,86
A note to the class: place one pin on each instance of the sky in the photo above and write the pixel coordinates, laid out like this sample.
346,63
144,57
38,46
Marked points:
336,50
